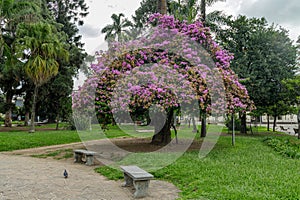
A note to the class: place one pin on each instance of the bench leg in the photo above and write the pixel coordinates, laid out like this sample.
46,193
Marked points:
128,181
141,188
78,157
89,160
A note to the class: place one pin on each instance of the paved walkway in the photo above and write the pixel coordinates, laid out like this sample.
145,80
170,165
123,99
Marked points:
23,177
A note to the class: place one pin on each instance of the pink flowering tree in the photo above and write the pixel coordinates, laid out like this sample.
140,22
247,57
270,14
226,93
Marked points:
173,67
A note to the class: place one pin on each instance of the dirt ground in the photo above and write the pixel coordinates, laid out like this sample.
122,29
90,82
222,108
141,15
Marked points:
46,159
63,155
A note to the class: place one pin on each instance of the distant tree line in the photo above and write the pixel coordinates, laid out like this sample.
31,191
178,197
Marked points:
40,52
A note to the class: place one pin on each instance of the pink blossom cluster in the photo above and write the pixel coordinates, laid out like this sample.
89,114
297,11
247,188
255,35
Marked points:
175,63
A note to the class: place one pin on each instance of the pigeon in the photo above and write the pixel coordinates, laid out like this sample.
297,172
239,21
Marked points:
65,174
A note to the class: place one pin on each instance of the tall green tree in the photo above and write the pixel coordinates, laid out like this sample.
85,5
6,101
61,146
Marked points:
141,15
114,32
292,94
12,13
184,10
70,14
53,103
40,41
263,56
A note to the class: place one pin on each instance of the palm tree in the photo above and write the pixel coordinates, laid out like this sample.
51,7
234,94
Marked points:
116,29
12,13
41,44
187,10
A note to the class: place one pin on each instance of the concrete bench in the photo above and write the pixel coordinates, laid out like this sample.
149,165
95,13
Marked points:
137,177
80,153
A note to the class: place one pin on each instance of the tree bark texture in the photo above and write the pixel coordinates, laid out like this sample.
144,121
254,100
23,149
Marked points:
32,127
162,128
57,122
203,10
28,105
298,119
8,102
268,122
26,121
162,6
203,126
274,123
195,130
243,123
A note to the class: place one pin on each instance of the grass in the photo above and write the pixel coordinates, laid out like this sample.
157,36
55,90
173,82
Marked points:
286,146
250,170
58,154
22,139
15,140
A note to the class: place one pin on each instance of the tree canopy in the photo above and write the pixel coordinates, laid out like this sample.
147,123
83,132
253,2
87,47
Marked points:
264,56
64,16
146,56
40,43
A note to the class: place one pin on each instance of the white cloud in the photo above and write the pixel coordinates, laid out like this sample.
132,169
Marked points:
89,31
285,13
100,12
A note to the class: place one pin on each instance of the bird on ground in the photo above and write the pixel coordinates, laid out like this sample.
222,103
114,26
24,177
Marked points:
65,174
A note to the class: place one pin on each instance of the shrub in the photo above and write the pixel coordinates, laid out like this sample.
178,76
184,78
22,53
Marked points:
237,123
285,146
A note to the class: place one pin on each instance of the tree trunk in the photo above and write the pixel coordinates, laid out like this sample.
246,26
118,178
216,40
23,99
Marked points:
8,99
203,125
268,122
162,6
57,122
298,118
27,106
1,42
233,131
195,130
162,129
243,123
32,127
274,123
203,10
26,121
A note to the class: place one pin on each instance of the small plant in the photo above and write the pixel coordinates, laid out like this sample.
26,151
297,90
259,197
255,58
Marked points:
110,173
58,154
285,146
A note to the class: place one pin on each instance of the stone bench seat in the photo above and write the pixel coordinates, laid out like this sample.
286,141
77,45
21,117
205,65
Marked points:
137,177
80,153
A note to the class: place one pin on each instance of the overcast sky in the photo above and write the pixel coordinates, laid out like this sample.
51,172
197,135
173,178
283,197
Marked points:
286,13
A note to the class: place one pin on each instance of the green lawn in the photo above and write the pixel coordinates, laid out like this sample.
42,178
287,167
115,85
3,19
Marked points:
22,139
14,140
250,170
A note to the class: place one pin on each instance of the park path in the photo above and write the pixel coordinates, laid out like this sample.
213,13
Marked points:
24,177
